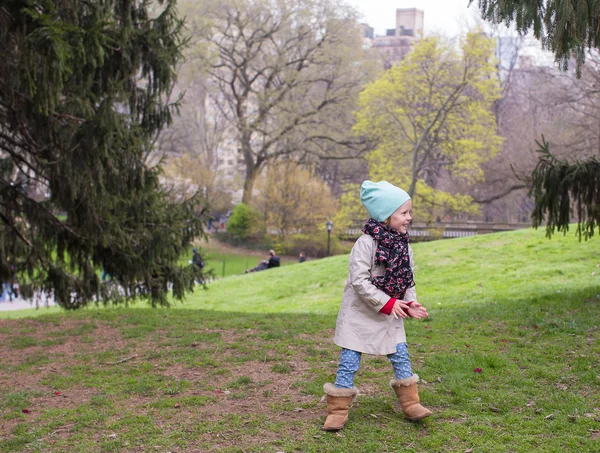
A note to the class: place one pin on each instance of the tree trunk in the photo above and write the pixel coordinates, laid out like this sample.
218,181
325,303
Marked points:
252,165
251,175
411,189
415,174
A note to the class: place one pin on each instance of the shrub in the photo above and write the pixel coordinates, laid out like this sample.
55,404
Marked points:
244,223
293,198
312,244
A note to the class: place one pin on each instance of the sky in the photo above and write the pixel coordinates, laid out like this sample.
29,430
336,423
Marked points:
441,16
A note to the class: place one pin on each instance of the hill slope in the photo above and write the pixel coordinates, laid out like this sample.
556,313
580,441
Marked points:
513,266
520,265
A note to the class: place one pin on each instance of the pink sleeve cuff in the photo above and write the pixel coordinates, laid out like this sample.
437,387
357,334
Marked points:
387,308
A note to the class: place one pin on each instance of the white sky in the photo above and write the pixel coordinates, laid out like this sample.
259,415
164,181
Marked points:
446,17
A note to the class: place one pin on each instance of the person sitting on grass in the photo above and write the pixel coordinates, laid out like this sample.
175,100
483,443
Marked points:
264,264
273,259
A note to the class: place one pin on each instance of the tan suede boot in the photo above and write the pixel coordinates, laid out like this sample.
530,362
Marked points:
408,396
339,402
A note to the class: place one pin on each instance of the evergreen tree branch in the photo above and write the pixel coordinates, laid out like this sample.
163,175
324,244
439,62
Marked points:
560,188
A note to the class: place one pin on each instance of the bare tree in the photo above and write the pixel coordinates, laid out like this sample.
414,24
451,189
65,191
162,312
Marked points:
194,143
578,101
540,101
570,30
198,130
286,71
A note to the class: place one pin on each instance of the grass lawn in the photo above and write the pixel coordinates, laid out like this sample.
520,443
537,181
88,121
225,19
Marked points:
240,366
224,260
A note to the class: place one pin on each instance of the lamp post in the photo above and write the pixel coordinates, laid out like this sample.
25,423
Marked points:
329,228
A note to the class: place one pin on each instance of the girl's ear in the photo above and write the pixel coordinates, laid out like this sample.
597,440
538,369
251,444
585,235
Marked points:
386,222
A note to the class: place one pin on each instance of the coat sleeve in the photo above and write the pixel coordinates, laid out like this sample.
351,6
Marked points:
411,293
361,260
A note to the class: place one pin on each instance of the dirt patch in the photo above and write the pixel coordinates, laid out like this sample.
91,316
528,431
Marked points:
261,390
56,346
51,400
48,399
51,340
252,390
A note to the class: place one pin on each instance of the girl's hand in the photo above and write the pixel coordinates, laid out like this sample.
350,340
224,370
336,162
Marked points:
417,311
399,309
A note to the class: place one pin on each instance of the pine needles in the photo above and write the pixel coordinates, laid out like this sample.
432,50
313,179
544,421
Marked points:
561,189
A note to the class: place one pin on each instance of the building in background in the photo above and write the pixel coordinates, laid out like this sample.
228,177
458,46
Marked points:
507,54
398,41
367,34
231,167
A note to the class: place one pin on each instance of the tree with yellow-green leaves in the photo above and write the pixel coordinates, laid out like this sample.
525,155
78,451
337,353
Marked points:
432,113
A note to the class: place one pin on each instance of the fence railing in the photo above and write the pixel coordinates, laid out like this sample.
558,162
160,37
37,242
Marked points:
446,229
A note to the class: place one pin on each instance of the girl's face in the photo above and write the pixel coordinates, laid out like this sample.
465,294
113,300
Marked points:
400,220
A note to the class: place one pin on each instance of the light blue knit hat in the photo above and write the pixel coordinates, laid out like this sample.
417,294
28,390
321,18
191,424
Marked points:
382,199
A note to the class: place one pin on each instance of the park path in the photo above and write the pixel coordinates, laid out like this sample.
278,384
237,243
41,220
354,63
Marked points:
19,303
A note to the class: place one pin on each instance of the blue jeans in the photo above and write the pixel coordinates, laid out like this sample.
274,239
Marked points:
6,292
350,363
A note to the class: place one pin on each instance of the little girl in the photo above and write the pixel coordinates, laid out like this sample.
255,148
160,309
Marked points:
378,295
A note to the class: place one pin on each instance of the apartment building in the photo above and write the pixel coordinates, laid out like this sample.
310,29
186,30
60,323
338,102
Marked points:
398,41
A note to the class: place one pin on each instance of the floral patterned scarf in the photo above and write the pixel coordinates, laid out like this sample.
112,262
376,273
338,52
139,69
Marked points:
392,252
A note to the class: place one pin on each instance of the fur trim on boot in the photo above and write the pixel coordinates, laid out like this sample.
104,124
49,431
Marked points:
408,397
339,401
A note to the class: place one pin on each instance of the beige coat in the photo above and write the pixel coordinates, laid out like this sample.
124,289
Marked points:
360,326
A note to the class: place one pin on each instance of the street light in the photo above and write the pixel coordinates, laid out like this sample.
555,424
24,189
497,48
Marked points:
329,228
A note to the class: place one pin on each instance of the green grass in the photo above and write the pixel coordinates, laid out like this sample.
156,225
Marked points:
232,261
240,367
481,269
